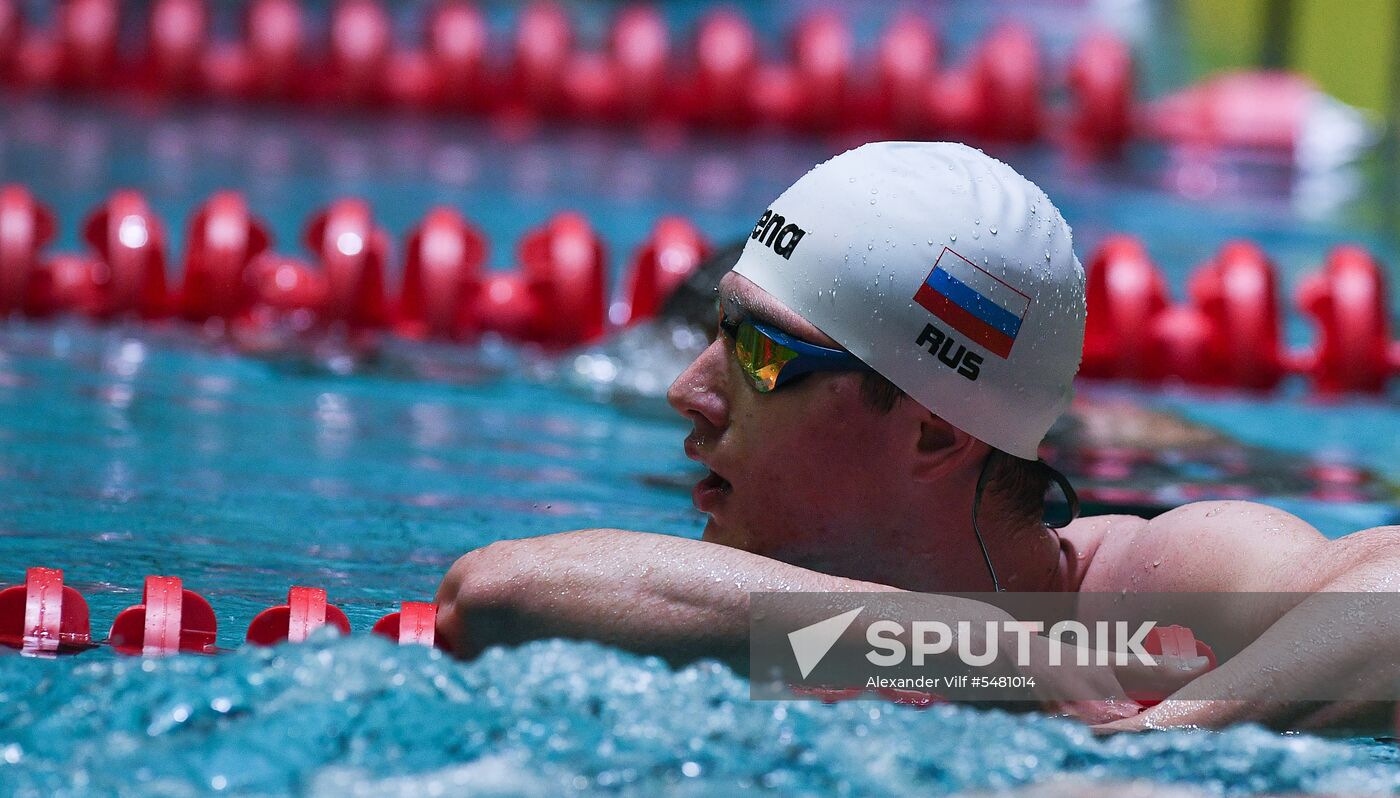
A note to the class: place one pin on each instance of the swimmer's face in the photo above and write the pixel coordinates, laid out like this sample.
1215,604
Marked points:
805,473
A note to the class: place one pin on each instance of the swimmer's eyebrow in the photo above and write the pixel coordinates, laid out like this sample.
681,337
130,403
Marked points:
734,306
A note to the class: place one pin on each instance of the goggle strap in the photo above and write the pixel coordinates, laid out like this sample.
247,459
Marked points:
1071,497
976,530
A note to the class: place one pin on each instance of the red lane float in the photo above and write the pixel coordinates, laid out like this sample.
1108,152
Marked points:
288,286
128,275
726,61
11,35
274,36
86,44
442,278
26,227
670,255
998,93
168,620
564,267
450,71
306,611
1172,643
352,252
268,63
43,616
1227,333
360,41
1126,293
177,42
1348,303
544,42
639,49
811,92
1006,80
223,240
906,63
1237,294
1101,87
415,624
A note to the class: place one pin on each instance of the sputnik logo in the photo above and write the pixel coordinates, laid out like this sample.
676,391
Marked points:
811,643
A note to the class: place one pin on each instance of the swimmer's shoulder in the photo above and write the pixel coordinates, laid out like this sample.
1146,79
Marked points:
1203,546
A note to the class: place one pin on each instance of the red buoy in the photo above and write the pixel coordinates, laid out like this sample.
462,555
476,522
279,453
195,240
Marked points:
415,624
1101,91
274,35
1238,292
670,254
1006,74
508,307
565,267
43,616
222,241
86,41
456,43
442,277
306,611
352,252
168,620
287,285
823,53
726,61
26,227
129,241
1348,304
639,48
544,42
177,39
1173,643
11,35
905,62
1126,292
360,41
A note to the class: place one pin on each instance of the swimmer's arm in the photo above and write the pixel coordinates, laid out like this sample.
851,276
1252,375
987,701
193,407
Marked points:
654,594
1312,649
684,600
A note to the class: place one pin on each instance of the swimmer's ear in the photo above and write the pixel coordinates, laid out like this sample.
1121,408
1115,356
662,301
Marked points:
942,449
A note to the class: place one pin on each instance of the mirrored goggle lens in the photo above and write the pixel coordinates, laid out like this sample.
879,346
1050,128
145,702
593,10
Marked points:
760,357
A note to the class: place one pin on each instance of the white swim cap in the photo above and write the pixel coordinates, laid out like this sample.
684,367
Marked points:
943,269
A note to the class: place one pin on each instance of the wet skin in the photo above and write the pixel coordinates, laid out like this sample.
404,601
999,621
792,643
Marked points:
813,489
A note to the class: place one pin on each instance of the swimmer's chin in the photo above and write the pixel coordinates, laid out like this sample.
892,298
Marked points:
724,536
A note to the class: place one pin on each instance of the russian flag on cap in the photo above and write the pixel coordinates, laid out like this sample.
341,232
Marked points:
973,302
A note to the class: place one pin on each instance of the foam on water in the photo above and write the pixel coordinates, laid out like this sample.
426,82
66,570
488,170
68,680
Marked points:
359,716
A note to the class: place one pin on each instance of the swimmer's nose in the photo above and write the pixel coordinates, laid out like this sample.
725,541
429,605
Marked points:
700,389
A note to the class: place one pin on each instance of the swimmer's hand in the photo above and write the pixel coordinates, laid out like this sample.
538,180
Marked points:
1061,687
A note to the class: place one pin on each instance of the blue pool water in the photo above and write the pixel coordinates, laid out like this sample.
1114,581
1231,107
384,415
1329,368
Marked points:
130,450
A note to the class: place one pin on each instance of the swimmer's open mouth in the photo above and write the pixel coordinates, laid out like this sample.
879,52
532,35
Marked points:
710,491
716,482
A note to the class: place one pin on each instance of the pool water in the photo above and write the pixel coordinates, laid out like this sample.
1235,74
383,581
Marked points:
136,449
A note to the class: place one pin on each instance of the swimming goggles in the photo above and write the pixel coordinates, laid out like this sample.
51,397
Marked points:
771,358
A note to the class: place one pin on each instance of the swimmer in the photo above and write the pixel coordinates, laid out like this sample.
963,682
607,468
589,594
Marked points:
901,330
